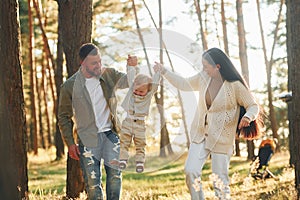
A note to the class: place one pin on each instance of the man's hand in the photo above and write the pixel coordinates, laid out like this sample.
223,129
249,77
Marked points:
74,151
132,60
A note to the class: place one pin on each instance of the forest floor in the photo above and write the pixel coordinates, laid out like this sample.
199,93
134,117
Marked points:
47,180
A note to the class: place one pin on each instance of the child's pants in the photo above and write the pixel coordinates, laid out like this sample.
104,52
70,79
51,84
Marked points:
133,129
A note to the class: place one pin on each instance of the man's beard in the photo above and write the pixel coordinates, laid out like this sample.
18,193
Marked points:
93,72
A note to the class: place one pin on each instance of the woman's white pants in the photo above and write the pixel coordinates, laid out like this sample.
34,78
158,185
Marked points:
196,159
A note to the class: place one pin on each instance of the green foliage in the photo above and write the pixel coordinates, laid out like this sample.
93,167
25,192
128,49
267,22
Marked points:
23,15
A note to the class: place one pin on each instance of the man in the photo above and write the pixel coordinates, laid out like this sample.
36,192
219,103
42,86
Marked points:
88,97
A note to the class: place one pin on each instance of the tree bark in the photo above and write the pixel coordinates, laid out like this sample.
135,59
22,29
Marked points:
44,89
293,49
203,33
58,76
269,63
75,18
33,121
13,170
224,28
49,55
243,60
289,27
216,21
165,147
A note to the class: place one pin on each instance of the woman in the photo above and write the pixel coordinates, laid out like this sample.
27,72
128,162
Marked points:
222,92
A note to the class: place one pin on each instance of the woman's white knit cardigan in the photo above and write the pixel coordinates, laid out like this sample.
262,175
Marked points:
223,114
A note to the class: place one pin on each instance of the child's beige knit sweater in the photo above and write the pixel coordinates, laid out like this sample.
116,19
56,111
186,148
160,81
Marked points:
223,114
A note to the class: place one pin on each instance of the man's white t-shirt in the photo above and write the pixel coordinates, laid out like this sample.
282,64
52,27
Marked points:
100,107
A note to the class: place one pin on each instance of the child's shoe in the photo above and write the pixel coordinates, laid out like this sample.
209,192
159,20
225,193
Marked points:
122,164
139,167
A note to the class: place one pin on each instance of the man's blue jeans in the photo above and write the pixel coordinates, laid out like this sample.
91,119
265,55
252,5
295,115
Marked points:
90,160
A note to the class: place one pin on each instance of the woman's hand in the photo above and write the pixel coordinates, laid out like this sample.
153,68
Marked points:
245,122
158,67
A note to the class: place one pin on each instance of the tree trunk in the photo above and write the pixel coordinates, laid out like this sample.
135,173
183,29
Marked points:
293,49
226,48
39,112
33,121
203,33
269,63
274,125
75,18
291,70
44,89
157,100
165,146
47,81
237,147
49,55
224,27
76,21
216,21
243,60
13,170
59,144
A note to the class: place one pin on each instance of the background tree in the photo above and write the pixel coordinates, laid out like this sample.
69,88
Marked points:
165,145
75,18
13,171
33,120
111,18
34,33
293,48
269,63
202,32
59,144
224,28
243,59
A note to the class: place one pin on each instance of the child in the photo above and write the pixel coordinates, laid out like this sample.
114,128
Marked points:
136,104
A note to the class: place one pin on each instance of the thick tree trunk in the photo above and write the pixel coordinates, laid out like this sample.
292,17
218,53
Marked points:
289,27
76,21
13,170
244,60
75,18
293,48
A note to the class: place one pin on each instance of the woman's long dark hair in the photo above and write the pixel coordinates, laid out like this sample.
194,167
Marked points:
229,73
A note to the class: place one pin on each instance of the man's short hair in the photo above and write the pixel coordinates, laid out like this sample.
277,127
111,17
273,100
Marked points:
88,49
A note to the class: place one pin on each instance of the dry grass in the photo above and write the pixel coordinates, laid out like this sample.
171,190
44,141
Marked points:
47,180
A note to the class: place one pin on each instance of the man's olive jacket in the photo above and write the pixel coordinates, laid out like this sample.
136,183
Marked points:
75,103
